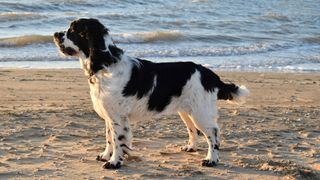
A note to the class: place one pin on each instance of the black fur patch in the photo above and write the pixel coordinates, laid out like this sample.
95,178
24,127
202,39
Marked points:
216,147
170,80
210,80
121,137
190,130
208,163
215,132
141,80
226,91
109,165
124,145
125,152
115,51
198,132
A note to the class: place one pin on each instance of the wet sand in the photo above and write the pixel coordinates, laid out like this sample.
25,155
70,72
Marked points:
48,129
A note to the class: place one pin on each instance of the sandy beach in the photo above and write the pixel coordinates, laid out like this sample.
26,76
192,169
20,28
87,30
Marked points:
48,129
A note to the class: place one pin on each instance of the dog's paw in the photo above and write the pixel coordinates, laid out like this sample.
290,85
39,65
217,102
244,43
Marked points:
104,157
99,158
188,148
209,163
110,165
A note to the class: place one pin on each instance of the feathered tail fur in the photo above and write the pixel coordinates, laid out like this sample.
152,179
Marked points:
233,93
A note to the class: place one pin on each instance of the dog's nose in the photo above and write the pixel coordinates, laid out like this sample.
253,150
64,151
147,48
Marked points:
58,35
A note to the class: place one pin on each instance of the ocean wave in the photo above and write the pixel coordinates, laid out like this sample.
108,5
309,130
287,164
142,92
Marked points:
169,36
162,51
213,51
215,38
48,5
276,16
163,36
147,37
37,59
139,37
312,40
19,16
69,1
24,40
199,1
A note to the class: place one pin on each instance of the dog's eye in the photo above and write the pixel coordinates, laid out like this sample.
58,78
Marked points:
83,34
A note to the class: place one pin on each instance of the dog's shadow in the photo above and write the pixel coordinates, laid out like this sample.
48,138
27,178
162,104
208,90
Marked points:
155,159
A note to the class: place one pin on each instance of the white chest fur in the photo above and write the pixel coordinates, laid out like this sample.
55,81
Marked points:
106,88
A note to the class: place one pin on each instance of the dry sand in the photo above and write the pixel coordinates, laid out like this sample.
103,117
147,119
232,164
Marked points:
48,129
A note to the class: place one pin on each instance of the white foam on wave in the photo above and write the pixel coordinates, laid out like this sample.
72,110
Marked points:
143,37
276,16
213,51
19,16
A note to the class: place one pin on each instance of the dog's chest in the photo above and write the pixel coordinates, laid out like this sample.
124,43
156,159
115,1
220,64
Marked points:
95,93
106,93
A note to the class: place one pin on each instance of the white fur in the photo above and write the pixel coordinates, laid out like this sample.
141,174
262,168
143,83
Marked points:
108,41
240,96
68,43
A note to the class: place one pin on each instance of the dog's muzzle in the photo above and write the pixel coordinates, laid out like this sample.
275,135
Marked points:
58,38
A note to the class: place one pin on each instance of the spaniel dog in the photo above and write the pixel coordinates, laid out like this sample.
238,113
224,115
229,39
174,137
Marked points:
124,88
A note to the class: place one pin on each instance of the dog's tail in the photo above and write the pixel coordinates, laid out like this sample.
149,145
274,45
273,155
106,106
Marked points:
233,93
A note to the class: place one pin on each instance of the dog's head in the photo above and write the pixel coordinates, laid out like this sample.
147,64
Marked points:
89,39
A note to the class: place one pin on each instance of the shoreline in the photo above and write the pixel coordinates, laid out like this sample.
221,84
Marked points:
49,130
216,70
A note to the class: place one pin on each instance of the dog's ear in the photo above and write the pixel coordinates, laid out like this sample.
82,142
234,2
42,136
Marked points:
100,59
98,52
95,32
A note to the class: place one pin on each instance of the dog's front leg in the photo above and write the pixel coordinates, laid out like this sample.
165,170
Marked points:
118,141
106,155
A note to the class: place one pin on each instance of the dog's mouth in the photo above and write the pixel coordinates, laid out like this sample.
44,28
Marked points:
68,50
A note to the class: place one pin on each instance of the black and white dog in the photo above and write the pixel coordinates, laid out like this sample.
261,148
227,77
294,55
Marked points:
124,88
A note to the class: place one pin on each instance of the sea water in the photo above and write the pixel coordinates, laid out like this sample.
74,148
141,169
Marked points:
242,35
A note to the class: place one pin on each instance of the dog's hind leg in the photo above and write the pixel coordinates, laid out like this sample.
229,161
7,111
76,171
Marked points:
106,155
127,132
209,127
192,131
